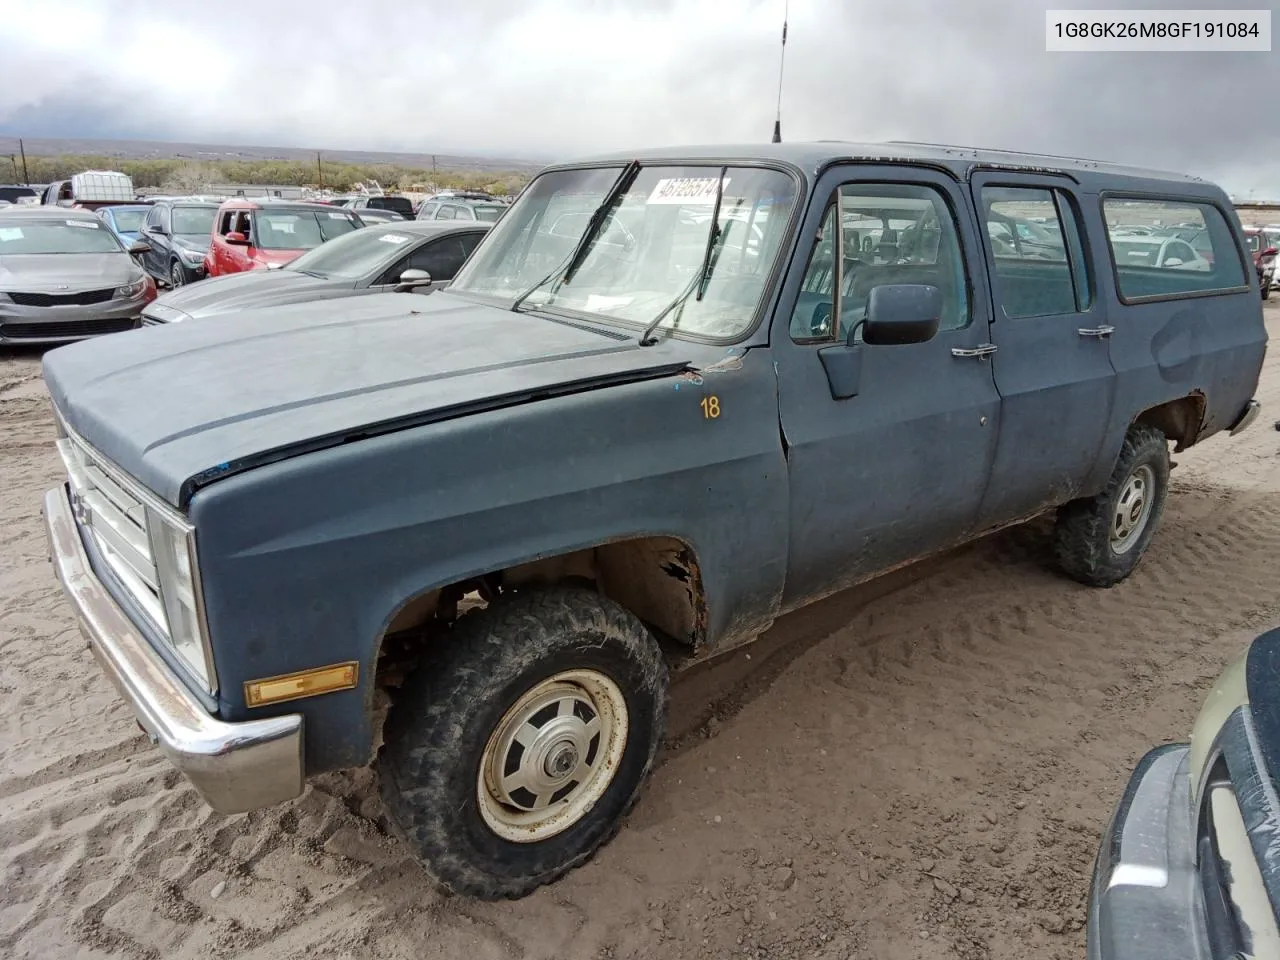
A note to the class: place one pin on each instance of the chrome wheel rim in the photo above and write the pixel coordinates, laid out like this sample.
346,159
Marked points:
552,756
1133,509
175,276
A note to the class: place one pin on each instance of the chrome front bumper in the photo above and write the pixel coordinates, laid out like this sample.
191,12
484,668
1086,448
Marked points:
235,766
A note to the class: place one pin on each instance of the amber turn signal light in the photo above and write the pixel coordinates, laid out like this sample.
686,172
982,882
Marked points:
304,683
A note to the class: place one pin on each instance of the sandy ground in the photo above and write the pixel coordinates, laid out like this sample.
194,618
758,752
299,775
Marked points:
915,769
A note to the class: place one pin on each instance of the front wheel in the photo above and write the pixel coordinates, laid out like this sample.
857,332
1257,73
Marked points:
1101,539
513,758
1266,291
177,276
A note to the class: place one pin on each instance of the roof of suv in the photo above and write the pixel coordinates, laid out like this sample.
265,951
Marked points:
815,155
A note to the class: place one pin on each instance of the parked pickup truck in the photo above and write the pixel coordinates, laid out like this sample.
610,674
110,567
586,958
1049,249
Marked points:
496,517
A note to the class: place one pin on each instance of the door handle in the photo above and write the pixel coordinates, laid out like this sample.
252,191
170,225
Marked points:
983,350
1102,333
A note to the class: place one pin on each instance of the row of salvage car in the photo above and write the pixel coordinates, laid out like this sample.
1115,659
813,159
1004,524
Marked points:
67,274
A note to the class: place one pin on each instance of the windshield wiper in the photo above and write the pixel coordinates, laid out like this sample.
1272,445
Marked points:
699,280
574,260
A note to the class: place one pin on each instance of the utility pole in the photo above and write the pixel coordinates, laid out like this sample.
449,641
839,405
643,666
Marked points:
320,169
26,179
433,164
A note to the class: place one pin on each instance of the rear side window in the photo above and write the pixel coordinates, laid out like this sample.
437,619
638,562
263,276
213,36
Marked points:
1036,254
1163,249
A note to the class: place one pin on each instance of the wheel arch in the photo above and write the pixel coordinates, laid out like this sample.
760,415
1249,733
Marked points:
1179,419
657,577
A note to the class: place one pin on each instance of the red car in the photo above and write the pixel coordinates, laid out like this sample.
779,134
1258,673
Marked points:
1264,258
262,233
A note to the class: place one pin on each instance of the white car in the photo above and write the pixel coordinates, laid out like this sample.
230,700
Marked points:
1167,252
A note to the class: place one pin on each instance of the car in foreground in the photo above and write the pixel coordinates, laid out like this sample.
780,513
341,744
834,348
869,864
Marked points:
125,221
1189,865
65,276
498,516
178,231
375,259
260,234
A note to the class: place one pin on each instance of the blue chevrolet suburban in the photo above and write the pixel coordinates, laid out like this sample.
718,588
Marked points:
671,396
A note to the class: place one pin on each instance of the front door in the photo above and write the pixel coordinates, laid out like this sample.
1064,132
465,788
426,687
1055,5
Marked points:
1053,363
888,450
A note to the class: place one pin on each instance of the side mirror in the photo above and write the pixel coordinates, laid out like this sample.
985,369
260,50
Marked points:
139,247
412,279
237,239
158,229
1173,262
901,313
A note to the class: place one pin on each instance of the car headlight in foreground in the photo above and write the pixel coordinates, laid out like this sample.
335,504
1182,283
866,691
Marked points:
132,291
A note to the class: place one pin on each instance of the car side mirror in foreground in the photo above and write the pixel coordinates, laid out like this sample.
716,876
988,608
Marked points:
412,279
237,239
138,248
901,313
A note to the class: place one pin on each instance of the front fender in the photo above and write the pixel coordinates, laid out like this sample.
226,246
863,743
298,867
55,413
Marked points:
305,562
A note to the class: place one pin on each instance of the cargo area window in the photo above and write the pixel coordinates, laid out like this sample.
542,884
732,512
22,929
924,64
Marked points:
1163,249
1037,258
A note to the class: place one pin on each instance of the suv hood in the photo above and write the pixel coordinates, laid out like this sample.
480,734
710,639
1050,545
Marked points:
240,291
179,405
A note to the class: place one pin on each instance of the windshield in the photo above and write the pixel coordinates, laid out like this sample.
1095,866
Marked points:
648,249
56,236
353,256
300,229
193,221
128,221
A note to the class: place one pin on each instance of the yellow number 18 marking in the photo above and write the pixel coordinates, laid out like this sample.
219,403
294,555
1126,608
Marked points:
710,407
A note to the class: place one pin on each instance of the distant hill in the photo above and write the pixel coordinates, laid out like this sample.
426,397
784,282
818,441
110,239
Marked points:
159,149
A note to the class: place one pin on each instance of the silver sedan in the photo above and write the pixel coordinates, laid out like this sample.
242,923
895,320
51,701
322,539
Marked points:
64,275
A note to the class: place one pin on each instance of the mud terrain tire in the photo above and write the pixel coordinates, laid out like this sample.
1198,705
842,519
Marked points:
441,733
1087,536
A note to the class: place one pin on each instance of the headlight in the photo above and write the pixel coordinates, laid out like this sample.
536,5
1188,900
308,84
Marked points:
174,551
131,290
193,257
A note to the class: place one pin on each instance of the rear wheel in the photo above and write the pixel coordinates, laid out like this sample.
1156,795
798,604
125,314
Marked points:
1101,539
513,758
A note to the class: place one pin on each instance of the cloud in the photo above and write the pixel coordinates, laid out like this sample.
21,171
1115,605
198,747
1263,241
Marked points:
555,78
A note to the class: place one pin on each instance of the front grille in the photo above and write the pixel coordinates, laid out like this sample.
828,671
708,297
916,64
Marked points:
82,299
116,519
64,328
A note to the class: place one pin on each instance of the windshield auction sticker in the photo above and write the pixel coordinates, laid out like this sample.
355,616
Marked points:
686,190
1157,31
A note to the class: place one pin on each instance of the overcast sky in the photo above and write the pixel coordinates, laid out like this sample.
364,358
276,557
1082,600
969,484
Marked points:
556,78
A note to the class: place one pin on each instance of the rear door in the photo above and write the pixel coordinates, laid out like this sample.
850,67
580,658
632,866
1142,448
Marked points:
1052,333
891,460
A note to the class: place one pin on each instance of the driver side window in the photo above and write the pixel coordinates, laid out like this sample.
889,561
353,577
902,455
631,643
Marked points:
811,318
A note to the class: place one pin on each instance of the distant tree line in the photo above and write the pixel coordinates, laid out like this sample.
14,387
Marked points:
190,175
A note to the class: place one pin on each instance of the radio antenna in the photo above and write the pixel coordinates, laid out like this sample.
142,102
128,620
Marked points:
782,61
